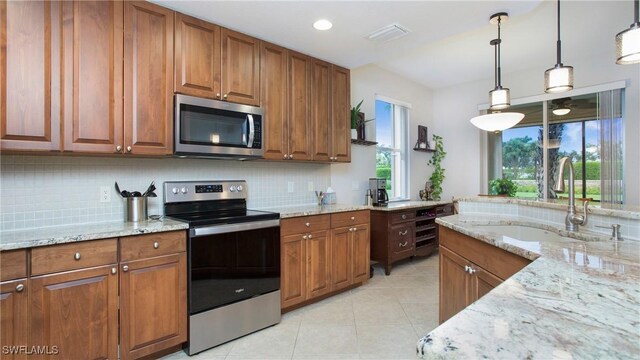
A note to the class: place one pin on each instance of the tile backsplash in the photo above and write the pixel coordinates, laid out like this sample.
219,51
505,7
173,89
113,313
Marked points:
40,191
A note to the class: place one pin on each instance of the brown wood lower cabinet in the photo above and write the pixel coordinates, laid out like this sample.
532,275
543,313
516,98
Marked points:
469,269
323,254
80,303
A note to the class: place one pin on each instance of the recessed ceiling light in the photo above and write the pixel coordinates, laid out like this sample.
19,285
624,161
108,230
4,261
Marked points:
322,24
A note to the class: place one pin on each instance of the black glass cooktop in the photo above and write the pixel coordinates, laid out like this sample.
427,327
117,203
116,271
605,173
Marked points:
224,217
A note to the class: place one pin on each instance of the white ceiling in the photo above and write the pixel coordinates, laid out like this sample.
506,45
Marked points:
449,42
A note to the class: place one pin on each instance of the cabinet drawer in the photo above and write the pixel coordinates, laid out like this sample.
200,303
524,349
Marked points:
13,264
57,258
349,218
404,216
304,224
152,245
402,238
444,210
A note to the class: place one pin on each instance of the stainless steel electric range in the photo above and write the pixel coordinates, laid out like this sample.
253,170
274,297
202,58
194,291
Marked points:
233,260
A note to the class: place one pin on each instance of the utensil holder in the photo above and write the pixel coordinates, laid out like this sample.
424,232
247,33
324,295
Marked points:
137,209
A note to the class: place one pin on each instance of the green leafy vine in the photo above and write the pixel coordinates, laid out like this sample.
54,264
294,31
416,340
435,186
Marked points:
437,177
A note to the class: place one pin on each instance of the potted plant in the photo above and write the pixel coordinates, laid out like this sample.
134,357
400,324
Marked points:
358,122
437,177
502,187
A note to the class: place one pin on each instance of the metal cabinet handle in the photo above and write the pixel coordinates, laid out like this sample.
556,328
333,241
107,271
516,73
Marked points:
224,96
310,236
19,288
118,148
76,256
466,268
404,216
403,233
305,237
290,156
353,218
114,270
125,268
129,149
355,229
156,245
403,244
286,156
218,95
307,224
469,269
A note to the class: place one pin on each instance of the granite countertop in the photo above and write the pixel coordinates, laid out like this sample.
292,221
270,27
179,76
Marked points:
578,299
402,205
19,239
313,209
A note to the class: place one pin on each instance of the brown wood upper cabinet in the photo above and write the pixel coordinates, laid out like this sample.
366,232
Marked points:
240,68
273,81
340,114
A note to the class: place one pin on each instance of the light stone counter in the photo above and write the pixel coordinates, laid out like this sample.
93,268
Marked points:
10,240
312,209
402,205
577,300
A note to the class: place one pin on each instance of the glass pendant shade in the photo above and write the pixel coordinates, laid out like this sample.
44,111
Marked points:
497,121
558,79
628,45
561,111
499,98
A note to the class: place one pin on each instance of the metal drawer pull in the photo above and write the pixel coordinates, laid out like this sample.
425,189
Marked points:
77,256
310,236
290,156
156,245
472,270
19,288
402,233
129,148
118,148
307,224
354,229
403,245
353,218
404,216
125,268
305,237
114,271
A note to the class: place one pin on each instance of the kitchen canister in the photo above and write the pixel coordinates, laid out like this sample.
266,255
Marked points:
137,208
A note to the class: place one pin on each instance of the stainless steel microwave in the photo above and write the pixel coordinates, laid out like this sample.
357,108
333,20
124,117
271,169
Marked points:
213,128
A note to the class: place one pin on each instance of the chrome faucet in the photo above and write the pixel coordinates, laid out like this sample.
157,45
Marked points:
573,220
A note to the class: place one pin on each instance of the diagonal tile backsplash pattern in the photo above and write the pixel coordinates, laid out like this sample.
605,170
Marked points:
40,191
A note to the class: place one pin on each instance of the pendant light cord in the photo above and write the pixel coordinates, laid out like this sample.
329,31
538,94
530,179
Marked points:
498,50
558,44
636,7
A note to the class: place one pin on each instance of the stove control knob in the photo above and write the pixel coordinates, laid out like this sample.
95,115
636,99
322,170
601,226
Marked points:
239,188
184,190
232,188
175,190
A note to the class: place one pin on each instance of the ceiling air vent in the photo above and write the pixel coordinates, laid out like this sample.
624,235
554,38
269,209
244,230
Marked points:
388,33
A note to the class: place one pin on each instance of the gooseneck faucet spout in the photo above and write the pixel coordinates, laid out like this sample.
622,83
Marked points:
572,220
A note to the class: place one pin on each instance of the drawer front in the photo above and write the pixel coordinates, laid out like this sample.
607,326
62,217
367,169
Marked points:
399,217
402,238
349,218
13,264
57,258
444,210
304,224
152,245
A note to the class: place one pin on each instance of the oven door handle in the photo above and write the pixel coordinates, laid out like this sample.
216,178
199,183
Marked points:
252,131
224,229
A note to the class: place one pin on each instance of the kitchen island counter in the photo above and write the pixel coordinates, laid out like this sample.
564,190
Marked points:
578,299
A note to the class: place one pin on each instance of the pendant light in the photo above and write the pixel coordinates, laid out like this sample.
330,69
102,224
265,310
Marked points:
559,78
499,97
628,41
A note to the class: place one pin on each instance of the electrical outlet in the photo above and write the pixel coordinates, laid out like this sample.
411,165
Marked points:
290,186
310,186
105,194
355,186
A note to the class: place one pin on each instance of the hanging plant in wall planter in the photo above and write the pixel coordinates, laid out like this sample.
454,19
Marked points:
358,122
437,177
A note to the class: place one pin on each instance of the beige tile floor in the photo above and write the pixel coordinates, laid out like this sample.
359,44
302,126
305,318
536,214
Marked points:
380,320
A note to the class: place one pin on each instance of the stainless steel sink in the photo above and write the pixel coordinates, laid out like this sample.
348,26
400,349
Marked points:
523,233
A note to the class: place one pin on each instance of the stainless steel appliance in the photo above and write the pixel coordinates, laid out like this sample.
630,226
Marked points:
378,187
218,129
233,261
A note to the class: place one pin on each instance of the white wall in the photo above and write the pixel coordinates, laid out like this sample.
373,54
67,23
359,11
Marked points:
454,106
351,180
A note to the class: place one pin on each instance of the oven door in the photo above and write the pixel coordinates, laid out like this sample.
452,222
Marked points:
207,127
230,263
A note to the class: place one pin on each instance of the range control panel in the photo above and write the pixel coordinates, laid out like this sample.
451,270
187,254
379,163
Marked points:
184,191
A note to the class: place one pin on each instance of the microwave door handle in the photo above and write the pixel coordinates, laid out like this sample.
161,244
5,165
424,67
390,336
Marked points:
251,131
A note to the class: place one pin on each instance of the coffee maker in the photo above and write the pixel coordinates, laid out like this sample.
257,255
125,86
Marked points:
378,187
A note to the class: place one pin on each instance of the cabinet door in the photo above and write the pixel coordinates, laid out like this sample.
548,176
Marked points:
153,310
455,284
148,79
240,68
318,264
360,257
14,322
483,282
293,262
93,47
402,240
341,114
197,57
341,254
30,97
299,124
320,104
77,311
273,80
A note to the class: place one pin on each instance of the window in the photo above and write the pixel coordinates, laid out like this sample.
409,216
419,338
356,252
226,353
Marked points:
392,151
590,134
